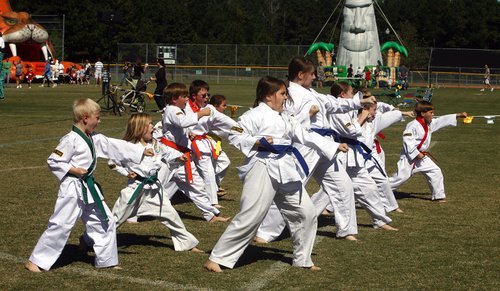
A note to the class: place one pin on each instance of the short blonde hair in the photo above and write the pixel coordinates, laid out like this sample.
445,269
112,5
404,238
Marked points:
135,126
84,107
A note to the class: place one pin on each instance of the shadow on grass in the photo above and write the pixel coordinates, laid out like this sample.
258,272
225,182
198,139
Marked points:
71,254
412,195
126,240
255,253
185,215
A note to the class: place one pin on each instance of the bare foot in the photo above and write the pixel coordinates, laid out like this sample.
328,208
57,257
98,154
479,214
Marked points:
399,210
220,219
212,266
440,200
196,250
388,227
349,237
327,213
133,219
32,267
218,206
313,268
221,192
260,240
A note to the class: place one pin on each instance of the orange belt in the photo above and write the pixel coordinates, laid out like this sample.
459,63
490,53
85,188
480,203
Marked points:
197,150
187,154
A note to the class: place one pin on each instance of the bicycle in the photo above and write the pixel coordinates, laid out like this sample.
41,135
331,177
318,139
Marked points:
135,97
109,101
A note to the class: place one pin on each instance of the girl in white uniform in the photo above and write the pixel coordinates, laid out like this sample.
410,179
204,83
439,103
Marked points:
414,157
143,195
311,108
348,127
73,162
371,127
274,171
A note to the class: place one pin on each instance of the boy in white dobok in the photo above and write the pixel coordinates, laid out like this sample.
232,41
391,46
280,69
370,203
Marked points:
201,145
222,163
73,162
175,125
415,157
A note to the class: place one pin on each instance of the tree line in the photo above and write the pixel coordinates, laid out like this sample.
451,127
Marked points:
423,23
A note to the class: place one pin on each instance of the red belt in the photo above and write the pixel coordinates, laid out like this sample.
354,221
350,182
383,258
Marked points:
197,150
187,154
377,143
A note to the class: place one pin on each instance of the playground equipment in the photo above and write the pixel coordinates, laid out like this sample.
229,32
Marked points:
26,40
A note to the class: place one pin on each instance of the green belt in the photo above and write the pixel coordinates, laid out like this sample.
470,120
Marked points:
91,184
151,180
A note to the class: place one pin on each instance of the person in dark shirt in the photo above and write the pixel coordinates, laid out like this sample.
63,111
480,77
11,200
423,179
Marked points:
161,82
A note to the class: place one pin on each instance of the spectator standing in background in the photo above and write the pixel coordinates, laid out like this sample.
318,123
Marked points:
161,82
98,67
6,70
487,74
19,74
126,72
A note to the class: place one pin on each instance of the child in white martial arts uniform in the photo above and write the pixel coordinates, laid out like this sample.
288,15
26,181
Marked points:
310,108
73,162
144,195
374,123
273,171
175,124
348,128
414,157
222,163
201,145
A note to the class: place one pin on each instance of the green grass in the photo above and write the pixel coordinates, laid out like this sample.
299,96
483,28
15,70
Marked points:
450,246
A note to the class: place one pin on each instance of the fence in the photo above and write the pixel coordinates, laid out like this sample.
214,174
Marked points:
247,63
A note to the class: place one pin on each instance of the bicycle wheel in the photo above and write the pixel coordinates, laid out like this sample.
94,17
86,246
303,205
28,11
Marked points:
141,105
121,108
127,98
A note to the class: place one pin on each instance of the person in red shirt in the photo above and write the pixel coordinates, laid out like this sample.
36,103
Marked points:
29,77
368,77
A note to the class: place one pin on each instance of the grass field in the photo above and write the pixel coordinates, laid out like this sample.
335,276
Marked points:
447,246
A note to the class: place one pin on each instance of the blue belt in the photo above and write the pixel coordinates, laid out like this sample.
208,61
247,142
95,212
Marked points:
365,151
280,149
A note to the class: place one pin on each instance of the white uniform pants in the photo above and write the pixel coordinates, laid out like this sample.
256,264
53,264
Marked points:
427,167
221,167
384,187
67,210
366,193
206,168
336,189
195,190
148,203
259,191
